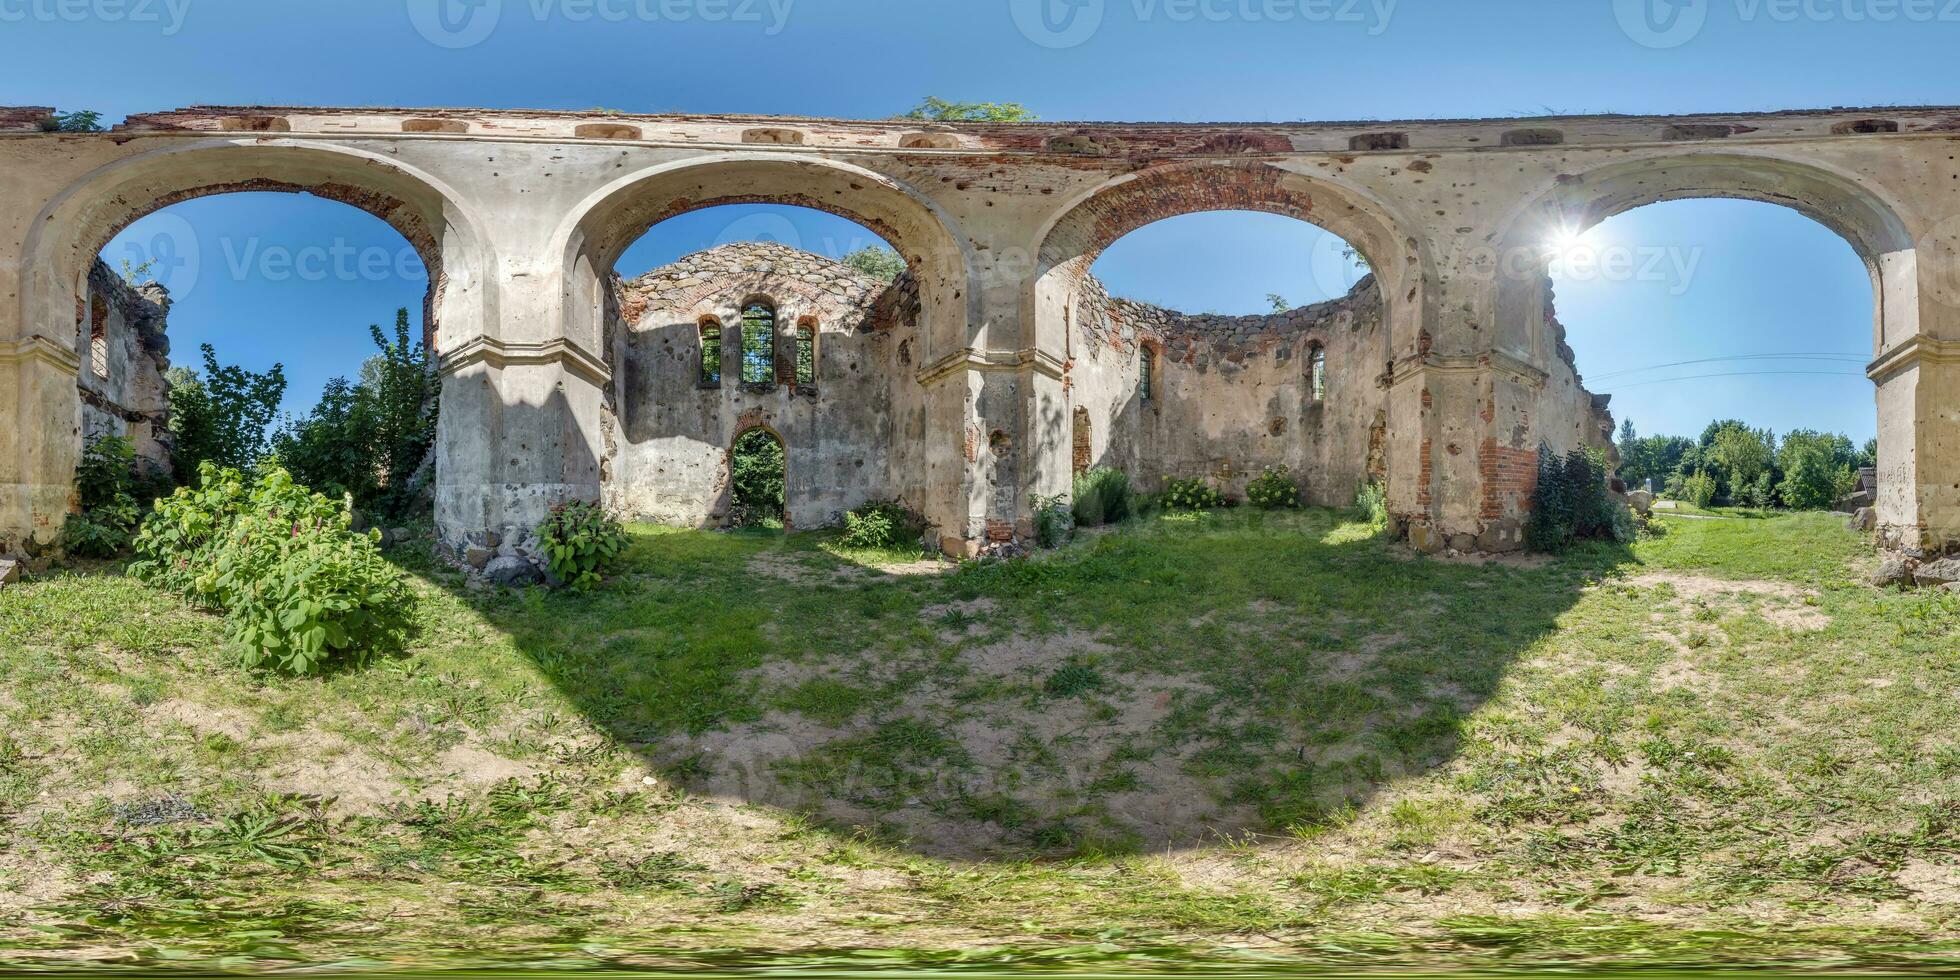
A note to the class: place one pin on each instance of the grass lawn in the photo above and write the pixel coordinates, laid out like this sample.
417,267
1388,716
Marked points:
1213,736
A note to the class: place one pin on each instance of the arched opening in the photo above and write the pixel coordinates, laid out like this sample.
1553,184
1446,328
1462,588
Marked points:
757,481
826,285
1565,213
1730,336
297,325
1199,351
1188,301
65,241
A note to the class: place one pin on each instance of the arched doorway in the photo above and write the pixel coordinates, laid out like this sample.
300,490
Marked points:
937,479
1577,203
65,239
757,479
1064,299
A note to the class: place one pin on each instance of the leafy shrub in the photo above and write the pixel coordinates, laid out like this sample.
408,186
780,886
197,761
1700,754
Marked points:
1572,504
221,416
1699,488
1818,469
1192,494
106,484
1273,489
1103,496
581,542
298,589
756,478
1371,504
880,524
1054,520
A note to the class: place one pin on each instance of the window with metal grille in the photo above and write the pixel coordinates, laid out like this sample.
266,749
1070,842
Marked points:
806,352
710,353
1317,373
98,337
758,344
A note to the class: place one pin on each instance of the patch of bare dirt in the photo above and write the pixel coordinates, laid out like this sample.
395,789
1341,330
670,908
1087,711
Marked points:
1782,604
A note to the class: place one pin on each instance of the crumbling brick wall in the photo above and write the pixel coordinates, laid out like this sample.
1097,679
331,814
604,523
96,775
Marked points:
1231,395
856,434
125,353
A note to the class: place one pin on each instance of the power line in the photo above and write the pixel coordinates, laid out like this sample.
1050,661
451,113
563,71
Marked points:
1741,374
1859,358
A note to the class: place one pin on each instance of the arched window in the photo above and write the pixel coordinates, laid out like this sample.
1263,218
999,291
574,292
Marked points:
710,353
1317,373
1146,372
758,344
98,337
806,351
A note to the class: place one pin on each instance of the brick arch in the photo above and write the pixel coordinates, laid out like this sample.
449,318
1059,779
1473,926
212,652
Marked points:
1074,240
1575,202
82,220
601,228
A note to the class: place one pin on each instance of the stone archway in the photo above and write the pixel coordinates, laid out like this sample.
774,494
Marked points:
63,241
1908,504
1072,240
603,226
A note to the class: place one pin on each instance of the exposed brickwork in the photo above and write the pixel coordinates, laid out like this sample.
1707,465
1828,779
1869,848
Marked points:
1509,477
1167,193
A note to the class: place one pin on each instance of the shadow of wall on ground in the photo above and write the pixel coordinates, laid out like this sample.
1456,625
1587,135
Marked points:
1163,685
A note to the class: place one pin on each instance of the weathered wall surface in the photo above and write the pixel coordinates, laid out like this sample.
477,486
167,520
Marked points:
1231,395
849,436
524,214
125,353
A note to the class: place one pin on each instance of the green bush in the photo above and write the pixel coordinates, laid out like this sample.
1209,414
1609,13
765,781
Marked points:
880,524
1103,496
1273,489
1371,504
106,486
1192,494
581,543
298,589
1054,520
1699,488
1572,503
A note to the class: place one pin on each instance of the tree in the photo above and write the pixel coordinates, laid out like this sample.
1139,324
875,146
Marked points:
1655,458
369,439
221,416
1743,453
1278,302
79,121
1870,455
935,109
1818,469
878,262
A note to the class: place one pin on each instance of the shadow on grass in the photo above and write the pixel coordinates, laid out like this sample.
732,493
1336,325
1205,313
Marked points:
1184,679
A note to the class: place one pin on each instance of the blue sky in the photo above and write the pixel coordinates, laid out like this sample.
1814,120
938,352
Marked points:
1143,59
